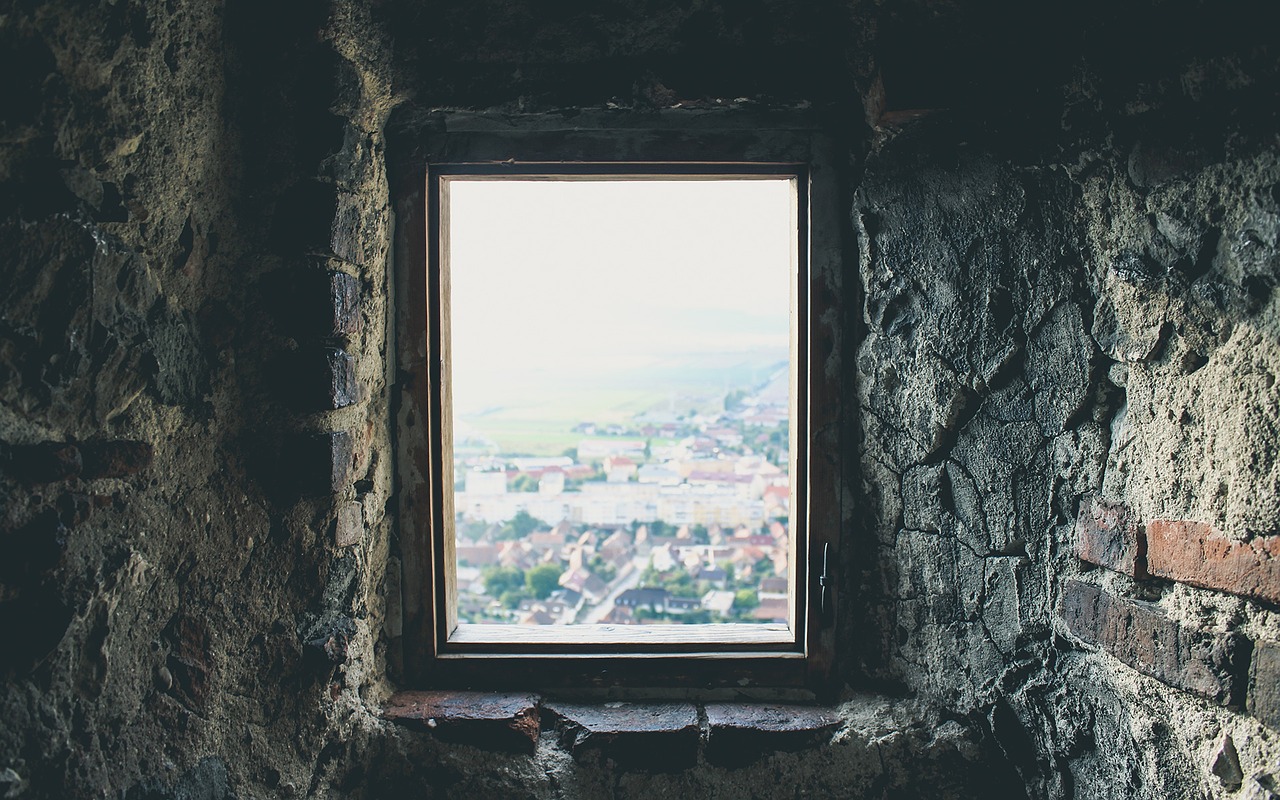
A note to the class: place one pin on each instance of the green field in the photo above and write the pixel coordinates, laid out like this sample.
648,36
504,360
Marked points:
545,428
536,419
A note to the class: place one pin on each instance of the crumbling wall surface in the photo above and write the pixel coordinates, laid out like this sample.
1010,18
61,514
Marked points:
1069,411
191,361
125,515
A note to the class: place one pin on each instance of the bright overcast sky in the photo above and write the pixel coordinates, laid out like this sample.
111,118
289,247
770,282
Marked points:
556,276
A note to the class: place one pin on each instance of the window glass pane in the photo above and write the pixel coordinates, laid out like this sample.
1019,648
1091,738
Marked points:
621,385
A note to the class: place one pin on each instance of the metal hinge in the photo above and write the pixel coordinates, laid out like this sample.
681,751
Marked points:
826,581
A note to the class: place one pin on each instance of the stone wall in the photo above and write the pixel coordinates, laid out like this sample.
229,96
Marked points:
1061,329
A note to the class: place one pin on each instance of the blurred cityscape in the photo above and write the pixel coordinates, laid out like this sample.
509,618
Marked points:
668,517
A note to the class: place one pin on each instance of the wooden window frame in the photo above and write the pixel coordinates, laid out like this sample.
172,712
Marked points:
609,145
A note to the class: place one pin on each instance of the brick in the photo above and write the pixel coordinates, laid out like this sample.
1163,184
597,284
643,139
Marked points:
46,462
491,721
190,661
316,217
1264,684
321,463
342,309
1195,553
117,459
349,525
1109,536
742,732
313,302
321,378
341,387
1209,664
653,736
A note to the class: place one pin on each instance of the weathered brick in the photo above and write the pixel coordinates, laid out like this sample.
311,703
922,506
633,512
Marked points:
313,302
508,722
117,459
321,378
44,463
190,661
348,525
654,736
341,387
322,462
316,217
342,308
1264,684
742,732
1194,553
1138,634
1109,536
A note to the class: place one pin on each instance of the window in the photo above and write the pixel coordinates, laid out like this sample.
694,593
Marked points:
574,511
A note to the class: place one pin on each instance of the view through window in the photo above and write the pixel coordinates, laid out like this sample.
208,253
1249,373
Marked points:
620,368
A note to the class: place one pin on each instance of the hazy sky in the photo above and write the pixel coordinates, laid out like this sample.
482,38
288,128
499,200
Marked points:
561,277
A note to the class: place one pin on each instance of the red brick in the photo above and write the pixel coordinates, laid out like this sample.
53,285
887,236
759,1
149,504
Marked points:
1194,553
1139,634
482,719
1109,536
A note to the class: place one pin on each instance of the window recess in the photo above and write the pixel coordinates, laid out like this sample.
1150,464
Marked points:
611,473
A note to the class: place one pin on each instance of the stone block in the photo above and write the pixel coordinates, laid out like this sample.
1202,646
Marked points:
742,732
349,525
660,737
1209,664
1195,553
1109,536
491,721
328,638
1264,684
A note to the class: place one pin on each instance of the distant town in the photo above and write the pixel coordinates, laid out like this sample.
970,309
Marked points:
667,518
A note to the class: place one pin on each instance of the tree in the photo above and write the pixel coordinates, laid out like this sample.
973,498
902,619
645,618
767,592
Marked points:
680,584
571,452
512,598
745,599
603,569
699,534
524,482
519,526
542,580
500,580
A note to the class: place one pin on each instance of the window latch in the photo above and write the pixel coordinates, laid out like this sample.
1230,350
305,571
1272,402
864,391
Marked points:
825,580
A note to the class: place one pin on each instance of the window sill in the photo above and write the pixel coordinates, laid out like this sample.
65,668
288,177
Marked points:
664,736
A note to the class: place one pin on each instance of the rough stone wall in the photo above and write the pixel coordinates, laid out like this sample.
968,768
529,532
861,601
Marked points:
1065,298
1070,334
